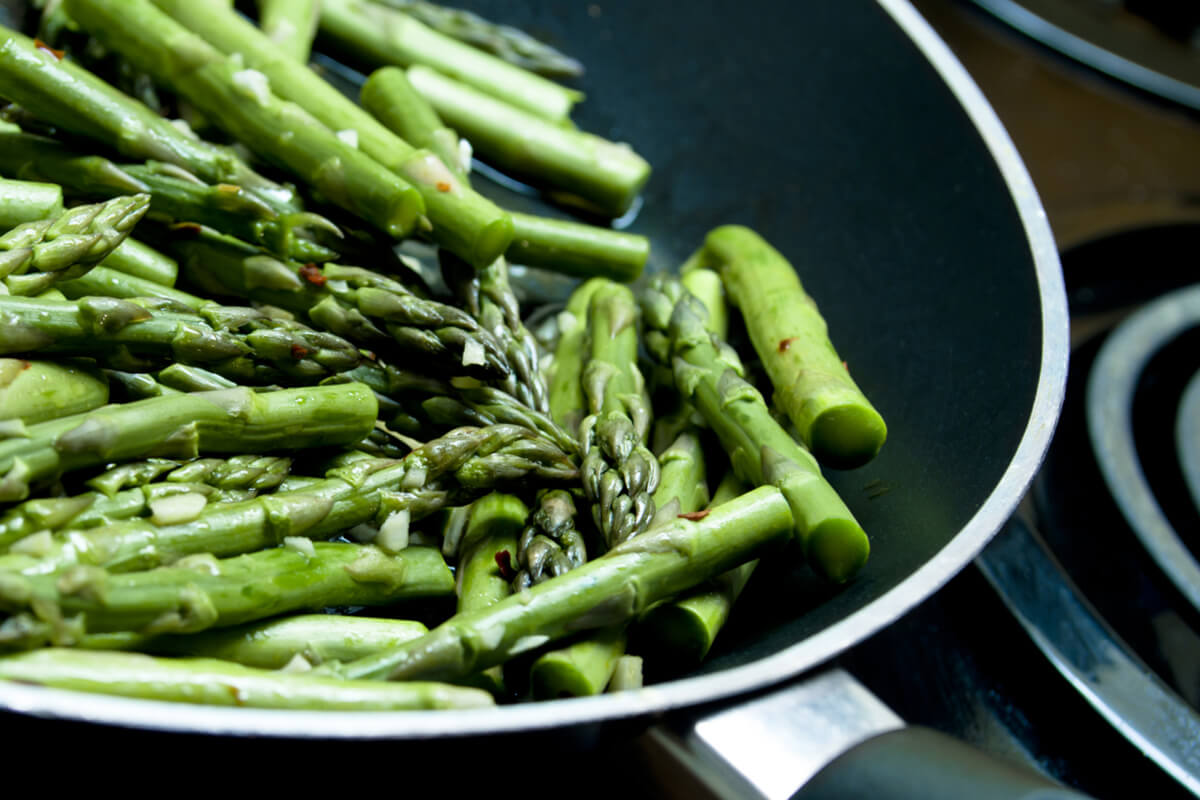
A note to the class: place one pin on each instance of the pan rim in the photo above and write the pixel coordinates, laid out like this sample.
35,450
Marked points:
787,664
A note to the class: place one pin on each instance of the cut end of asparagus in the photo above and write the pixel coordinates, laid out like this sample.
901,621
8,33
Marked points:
847,436
838,549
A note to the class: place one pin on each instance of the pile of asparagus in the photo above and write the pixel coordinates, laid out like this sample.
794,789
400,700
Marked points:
231,396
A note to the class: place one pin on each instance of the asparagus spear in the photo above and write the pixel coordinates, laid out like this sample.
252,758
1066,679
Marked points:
101,281
229,421
454,469
391,99
708,373
205,592
381,35
238,342
364,307
620,473
677,635
27,201
504,41
606,175
463,221
241,101
291,25
141,261
566,372
601,593
36,255
275,643
585,667
175,193
488,297
550,544
812,384
576,249
64,95
219,683
494,522
36,391
568,247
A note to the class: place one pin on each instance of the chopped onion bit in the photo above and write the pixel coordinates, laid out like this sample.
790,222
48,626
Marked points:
349,136
393,533
473,353
301,544
253,84
177,508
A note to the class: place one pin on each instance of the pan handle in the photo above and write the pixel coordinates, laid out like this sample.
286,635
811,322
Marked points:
826,737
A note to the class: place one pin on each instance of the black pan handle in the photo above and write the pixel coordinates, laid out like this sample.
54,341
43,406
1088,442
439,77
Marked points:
826,737
916,763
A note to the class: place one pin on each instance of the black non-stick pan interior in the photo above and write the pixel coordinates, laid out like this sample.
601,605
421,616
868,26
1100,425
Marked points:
826,128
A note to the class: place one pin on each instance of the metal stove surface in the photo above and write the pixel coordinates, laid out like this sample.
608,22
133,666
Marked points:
1118,169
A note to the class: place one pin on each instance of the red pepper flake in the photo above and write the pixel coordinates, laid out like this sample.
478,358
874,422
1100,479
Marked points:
188,228
312,273
299,351
695,516
845,366
369,355
504,562
443,186
27,365
785,344
40,45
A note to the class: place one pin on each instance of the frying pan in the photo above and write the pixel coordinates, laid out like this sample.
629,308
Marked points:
848,136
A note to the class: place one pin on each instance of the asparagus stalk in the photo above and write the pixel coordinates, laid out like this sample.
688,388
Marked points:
37,158
238,342
143,262
601,593
586,667
677,635
101,281
606,175
36,255
503,41
364,307
566,372
205,592
493,526
453,469
488,297
219,683
550,544
241,101
568,247
291,25
812,384
229,421
175,193
708,373
275,643
36,391
576,249
463,221
391,99
620,473
69,97
383,36
27,201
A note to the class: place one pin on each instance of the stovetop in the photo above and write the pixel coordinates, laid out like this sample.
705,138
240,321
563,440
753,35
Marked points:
1118,170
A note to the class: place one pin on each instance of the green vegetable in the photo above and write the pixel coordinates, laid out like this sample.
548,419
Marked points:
27,201
606,175
380,35
228,421
812,384
219,683
291,25
240,100
36,391
604,592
